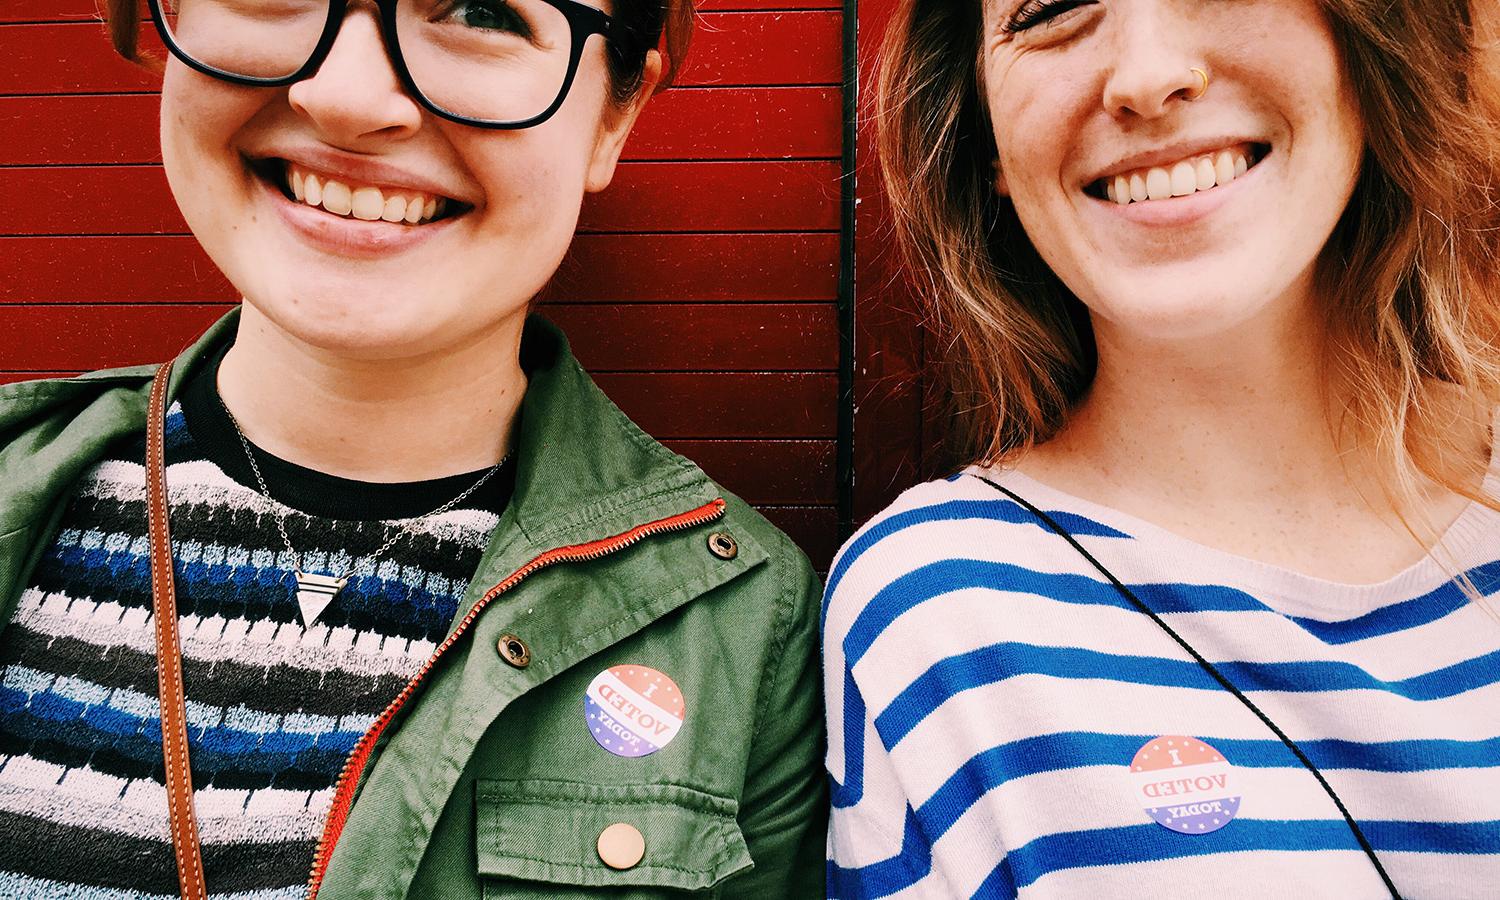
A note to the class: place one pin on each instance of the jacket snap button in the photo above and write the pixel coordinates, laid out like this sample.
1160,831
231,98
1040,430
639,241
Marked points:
514,651
722,545
621,845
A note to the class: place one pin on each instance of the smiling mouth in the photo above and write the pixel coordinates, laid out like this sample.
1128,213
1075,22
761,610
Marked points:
1192,175
352,200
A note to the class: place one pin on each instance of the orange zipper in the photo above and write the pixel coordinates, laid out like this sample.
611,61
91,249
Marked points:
343,793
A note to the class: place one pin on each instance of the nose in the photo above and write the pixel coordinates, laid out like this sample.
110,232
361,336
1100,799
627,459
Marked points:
1150,62
355,96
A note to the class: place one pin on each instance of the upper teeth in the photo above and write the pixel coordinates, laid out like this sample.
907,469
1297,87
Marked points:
1198,173
363,201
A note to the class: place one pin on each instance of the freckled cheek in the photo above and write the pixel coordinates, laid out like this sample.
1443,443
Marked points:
1028,156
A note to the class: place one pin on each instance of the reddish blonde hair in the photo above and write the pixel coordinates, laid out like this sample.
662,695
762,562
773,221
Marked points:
1410,269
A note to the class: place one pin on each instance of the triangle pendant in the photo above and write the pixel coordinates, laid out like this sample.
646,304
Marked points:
314,593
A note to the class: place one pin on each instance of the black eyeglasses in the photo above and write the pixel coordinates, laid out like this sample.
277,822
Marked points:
500,64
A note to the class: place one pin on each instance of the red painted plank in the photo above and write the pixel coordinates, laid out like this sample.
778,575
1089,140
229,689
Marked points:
740,123
80,337
720,405
86,10
724,337
64,11
767,471
782,47
646,197
718,196
71,57
748,123
755,48
109,269
698,267
12,377
599,268
727,405
813,528
720,5
611,337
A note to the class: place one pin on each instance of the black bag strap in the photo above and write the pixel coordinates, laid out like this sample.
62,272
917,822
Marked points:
1212,671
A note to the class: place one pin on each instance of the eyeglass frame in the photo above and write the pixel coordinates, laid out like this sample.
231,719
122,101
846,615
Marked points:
583,21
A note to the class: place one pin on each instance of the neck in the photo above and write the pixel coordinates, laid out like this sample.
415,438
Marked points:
1219,418
380,420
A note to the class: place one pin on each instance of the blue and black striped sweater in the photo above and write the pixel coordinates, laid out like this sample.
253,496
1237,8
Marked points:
273,708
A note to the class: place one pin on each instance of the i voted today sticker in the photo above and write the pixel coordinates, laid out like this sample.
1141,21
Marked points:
633,710
1185,785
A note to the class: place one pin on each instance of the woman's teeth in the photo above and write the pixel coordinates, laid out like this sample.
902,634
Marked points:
1189,176
363,201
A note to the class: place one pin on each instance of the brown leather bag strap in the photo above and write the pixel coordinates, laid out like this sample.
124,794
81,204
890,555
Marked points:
174,743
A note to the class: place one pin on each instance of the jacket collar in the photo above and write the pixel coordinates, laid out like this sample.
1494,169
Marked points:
584,470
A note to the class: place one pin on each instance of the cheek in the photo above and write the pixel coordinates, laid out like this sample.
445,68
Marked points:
1034,116
197,112
534,178
200,117
1032,111
532,182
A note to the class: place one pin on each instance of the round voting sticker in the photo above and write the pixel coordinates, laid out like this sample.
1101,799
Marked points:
633,710
1185,784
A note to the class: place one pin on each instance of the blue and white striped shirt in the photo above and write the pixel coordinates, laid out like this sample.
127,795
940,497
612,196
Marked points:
1002,722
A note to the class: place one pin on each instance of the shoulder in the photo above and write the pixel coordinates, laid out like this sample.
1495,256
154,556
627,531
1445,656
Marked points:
68,415
954,532
960,517
787,573
39,392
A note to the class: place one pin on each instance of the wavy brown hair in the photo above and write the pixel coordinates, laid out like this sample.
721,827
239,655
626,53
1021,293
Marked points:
667,24
1410,269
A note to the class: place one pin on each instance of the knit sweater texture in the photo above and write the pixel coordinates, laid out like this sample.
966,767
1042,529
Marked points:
273,708
1003,722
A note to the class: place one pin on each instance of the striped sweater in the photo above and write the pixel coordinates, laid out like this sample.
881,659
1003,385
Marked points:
1002,722
273,708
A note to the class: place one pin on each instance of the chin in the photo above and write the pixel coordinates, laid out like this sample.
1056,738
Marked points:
1168,313
357,323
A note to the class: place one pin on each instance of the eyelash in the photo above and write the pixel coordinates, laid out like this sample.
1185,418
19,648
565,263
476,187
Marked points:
1038,12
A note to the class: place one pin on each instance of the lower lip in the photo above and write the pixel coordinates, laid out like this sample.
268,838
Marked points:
354,238
1184,210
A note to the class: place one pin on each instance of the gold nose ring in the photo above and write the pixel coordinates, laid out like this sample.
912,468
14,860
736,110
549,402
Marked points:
1203,77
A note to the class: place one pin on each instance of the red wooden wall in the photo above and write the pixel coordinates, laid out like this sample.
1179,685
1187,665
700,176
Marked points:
703,290
888,443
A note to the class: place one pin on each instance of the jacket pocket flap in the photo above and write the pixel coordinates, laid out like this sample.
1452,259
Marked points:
543,830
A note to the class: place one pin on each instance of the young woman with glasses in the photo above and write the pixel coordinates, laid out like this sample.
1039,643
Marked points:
440,621
1211,609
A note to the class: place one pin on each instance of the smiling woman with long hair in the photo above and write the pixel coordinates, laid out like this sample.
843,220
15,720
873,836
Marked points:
1210,607
436,619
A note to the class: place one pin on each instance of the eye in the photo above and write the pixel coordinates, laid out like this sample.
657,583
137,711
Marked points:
489,15
1039,12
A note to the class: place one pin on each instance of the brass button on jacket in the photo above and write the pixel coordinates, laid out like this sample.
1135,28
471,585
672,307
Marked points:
723,545
621,846
514,651
613,567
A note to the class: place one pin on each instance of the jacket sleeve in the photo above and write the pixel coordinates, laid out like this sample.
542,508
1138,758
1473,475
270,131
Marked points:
784,814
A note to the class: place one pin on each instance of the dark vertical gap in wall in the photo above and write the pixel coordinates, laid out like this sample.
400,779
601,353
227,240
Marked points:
844,464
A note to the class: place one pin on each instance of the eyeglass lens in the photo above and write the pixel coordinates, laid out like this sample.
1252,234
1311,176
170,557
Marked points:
497,60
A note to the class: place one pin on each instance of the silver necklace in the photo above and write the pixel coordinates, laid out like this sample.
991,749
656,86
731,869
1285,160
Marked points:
316,590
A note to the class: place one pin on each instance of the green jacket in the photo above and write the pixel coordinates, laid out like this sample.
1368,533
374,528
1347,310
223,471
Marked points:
485,780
